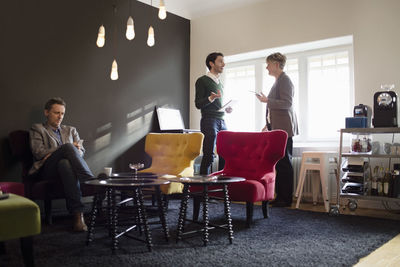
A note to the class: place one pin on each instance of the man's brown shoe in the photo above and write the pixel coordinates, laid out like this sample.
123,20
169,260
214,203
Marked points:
79,223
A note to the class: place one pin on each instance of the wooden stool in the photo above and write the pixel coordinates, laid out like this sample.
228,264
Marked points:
319,161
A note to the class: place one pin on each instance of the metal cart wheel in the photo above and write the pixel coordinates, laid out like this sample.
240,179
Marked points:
334,211
352,204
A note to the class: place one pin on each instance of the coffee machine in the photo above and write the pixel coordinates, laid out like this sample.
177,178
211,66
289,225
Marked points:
363,111
385,108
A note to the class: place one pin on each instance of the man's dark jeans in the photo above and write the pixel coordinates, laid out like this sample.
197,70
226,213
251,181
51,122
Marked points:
210,128
67,165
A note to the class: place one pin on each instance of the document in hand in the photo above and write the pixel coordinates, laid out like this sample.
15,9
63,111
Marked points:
230,103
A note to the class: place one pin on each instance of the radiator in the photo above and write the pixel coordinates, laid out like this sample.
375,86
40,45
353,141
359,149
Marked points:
307,188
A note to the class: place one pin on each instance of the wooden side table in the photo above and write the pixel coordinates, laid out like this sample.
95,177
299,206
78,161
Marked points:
205,182
109,187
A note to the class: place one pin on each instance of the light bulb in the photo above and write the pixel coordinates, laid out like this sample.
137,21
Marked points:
150,39
101,36
114,71
130,30
162,11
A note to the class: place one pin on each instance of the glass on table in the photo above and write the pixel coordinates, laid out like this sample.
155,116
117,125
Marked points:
135,167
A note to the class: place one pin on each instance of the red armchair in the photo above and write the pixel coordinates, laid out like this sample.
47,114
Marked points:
253,156
13,187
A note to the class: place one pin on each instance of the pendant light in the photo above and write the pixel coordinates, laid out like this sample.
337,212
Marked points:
162,11
114,71
130,28
150,38
101,37
114,66
130,34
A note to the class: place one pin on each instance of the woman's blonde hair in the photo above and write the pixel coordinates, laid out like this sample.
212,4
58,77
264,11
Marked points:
277,57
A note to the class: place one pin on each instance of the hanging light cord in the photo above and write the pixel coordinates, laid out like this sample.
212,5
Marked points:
102,13
115,31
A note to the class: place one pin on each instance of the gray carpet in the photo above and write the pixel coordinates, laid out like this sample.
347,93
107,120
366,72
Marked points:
287,238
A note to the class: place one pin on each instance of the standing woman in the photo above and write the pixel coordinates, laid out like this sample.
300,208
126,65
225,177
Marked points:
281,115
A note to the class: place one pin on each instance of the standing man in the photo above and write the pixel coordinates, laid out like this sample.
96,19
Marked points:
281,115
209,91
58,154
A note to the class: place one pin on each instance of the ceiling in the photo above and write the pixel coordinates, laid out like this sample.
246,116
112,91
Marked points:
192,9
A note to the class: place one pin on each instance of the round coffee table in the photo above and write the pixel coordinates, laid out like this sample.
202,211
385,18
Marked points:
205,182
134,185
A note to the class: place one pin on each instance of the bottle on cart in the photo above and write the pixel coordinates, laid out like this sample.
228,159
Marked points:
381,175
367,186
391,184
380,186
396,184
374,182
386,182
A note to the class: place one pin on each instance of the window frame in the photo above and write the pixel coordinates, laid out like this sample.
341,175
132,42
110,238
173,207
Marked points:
301,56
258,64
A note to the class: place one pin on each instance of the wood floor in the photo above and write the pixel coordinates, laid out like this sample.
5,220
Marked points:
386,256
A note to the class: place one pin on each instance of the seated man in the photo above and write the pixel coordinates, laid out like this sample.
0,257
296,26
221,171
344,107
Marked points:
57,153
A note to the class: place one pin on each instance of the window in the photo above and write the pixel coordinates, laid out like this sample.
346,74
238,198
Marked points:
328,94
237,79
323,91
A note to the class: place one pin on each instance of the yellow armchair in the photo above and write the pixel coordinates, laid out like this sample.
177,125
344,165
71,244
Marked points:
174,154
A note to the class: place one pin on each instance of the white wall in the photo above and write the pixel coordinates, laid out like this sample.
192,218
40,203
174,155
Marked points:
374,24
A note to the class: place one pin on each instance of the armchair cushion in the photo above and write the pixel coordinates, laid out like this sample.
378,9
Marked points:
248,191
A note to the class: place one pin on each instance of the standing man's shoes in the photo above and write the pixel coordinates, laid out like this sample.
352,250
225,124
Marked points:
79,223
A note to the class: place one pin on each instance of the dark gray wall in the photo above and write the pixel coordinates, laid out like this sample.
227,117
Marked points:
48,49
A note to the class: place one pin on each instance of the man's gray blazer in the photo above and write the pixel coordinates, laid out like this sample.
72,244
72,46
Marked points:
43,141
280,106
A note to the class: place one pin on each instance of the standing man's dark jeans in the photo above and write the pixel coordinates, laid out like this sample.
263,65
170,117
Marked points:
67,165
284,176
210,128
